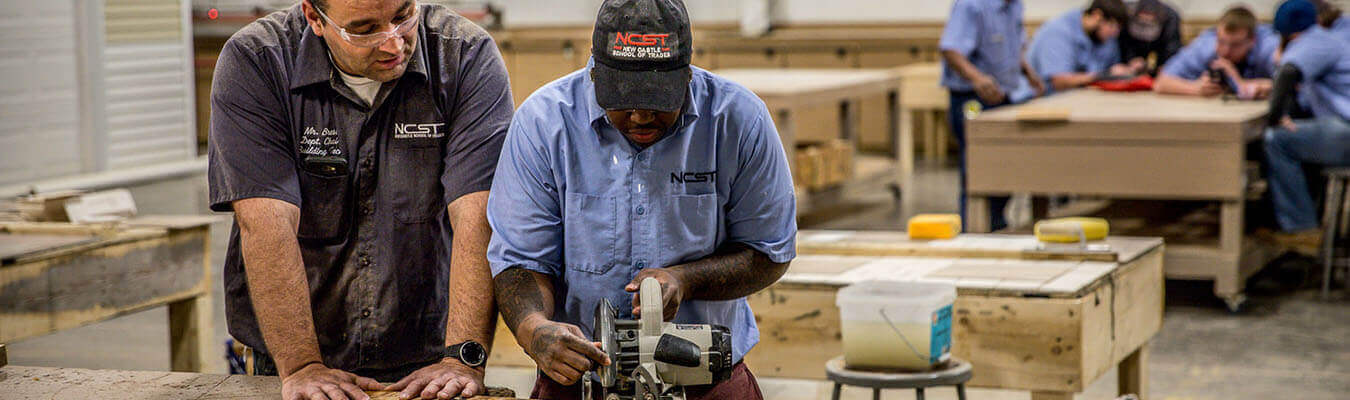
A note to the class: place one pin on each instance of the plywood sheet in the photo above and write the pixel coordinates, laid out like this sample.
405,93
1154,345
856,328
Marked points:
995,277
897,243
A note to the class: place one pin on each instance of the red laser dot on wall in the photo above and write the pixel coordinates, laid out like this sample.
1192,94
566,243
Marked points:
212,14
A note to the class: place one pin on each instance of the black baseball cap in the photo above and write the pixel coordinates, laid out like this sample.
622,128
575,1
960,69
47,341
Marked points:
641,50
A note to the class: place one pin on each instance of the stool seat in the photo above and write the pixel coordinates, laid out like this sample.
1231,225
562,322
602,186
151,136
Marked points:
955,372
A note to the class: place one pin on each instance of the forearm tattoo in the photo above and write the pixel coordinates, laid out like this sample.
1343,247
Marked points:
519,294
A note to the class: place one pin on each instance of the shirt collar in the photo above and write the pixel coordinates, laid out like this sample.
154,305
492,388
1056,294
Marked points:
313,64
688,114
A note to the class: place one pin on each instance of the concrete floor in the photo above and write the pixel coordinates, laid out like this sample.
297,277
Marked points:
1287,343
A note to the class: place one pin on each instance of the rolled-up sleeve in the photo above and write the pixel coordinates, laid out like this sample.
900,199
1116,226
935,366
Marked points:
479,120
1190,63
761,209
961,34
523,207
249,152
1051,55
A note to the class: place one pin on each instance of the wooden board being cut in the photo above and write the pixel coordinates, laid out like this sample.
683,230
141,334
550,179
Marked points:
73,383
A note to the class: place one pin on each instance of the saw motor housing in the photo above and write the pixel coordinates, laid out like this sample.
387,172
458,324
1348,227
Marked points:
652,359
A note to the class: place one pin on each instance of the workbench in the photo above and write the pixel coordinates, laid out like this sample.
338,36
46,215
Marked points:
791,93
925,103
56,276
1128,146
23,383
1046,322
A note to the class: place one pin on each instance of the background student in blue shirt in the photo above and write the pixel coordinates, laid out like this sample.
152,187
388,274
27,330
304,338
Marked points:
1316,61
1329,16
638,166
1242,51
982,61
1079,46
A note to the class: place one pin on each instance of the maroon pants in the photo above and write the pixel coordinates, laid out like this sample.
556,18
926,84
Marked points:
741,386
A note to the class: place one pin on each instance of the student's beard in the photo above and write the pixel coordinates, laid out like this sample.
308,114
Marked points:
1096,39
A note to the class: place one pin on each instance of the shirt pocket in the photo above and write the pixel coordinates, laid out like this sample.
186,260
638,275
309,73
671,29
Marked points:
415,180
323,211
590,229
690,226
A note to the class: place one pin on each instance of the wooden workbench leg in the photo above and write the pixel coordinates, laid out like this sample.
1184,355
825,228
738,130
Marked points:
1132,375
977,214
1051,396
930,146
1228,277
903,137
190,333
940,135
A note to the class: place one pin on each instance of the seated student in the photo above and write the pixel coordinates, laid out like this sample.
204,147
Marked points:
1316,61
1240,51
1078,47
1154,32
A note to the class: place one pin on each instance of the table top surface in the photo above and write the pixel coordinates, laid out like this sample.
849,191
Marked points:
1091,105
986,264
31,241
75,383
770,83
813,241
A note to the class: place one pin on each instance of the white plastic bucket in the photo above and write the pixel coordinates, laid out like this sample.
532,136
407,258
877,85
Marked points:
896,325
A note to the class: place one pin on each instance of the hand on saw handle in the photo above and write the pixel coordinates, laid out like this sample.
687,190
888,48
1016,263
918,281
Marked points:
560,350
673,291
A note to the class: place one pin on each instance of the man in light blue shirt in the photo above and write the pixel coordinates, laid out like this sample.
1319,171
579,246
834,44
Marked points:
1330,17
1317,63
982,62
638,166
1079,46
1240,50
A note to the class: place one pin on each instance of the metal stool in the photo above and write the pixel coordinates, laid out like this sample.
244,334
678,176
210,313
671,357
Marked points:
956,373
1334,225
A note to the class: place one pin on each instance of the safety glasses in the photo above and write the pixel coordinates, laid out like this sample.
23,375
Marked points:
376,39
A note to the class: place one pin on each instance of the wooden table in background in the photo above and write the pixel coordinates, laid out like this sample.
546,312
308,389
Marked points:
1129,146
788,92
22,383
56,276
924,100
1046,322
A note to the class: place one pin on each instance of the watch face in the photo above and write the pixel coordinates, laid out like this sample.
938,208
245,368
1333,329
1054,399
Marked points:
472,354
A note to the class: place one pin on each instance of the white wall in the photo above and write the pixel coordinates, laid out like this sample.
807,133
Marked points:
522,13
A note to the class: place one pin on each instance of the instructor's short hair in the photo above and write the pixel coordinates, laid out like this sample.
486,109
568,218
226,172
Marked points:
1238,18
1327,13
1114,10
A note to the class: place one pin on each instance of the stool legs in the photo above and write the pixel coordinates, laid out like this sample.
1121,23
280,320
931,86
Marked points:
918,393
876,394
837,386
961,392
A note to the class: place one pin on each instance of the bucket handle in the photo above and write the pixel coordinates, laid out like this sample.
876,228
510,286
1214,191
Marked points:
916,352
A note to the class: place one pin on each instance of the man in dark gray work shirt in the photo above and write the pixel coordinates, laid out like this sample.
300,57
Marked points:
355,141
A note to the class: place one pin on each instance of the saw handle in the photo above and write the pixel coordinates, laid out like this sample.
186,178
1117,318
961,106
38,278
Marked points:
649,297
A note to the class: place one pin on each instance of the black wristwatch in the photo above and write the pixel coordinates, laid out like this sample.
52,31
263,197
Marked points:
470,353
